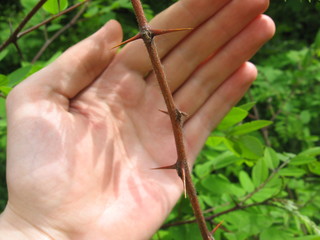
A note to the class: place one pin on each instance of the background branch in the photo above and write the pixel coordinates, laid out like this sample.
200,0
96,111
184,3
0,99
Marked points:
58,33
21,34
13,36
238,206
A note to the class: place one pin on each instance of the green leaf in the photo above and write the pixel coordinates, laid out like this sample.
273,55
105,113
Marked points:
232,146
18,75
28,4
3,80
55,6
224,160
215,162
250,147
213,141
3,114
274,234
246,181
203,169
259,172
312,237
3,54
271,158
305,116
247,106
314,168
302,160
264,194
219,185
5,90
236,115
250,127
315,151
292,172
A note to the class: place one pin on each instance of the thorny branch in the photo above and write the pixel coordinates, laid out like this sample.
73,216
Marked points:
176,117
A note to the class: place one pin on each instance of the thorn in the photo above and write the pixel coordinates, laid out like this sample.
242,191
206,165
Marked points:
183,178
216,228
165,112
136,37
156,32
174,166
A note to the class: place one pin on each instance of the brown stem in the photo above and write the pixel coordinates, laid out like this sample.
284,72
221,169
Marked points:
57,34
176,118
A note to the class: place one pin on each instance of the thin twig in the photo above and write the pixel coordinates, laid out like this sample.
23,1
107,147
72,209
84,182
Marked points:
13,37
262,185
15,42
57,34
238,206
176,118
209,218
265,132
50,19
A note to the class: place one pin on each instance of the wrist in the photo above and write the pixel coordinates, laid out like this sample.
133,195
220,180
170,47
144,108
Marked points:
14,227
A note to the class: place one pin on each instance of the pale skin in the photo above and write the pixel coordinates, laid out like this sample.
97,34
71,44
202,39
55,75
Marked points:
84,132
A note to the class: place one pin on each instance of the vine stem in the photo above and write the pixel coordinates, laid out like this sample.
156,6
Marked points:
176,117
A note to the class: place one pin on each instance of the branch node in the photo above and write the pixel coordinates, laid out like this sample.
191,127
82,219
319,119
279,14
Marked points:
181,117
146,34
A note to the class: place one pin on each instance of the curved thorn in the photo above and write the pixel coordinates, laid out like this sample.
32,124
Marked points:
136,37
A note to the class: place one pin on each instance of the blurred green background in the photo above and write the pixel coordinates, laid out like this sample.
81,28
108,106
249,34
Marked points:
259,170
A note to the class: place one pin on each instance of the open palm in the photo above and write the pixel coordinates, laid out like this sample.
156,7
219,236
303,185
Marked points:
85,131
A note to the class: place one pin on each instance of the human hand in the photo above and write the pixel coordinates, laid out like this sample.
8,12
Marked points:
84,132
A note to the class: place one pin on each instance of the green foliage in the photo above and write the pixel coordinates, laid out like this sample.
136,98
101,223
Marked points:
259,192
288,92
55,6
259,170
